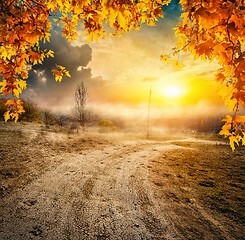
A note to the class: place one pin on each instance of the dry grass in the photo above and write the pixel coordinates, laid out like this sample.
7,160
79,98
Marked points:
211,174
28,150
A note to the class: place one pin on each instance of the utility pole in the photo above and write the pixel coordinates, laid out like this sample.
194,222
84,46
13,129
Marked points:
148,120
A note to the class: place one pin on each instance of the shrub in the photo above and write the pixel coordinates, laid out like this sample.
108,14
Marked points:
106,126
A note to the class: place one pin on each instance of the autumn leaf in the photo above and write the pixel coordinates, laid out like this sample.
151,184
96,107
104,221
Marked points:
10,102
50,53
228,119
121,20
165,58
22,84
61,67
233,140
58,73
90,38
67,74
6,116
176,64
24,75
238,119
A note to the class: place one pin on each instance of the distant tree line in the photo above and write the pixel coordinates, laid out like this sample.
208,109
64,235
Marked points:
208,124
35,114
81,116
84,118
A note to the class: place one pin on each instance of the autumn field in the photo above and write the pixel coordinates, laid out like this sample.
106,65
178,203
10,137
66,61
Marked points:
60,184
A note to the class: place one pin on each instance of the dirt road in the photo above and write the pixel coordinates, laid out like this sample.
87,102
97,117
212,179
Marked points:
105,194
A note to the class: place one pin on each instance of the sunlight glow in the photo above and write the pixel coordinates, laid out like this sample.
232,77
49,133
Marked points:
173,91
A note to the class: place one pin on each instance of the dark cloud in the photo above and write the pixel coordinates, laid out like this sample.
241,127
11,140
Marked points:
65,55
41,81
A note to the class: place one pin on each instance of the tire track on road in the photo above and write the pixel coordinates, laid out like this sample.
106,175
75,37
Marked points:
56,194
116,208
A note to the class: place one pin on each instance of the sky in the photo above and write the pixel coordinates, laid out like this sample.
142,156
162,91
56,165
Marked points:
119,74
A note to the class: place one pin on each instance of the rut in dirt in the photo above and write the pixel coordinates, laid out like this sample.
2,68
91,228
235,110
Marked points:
101,195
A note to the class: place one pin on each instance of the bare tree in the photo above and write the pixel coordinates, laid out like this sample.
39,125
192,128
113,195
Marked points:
48,118
60,119
81,96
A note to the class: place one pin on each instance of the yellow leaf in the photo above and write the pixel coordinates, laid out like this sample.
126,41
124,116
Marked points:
228,119
16,93
233,140
165,58
232,103
22,84
15,116
90,38
50,53
6,116
121,20
177,65
151,23
184,15
90,15
226,130
96,36
112,17
67,74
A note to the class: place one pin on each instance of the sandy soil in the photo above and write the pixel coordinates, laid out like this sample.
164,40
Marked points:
91,188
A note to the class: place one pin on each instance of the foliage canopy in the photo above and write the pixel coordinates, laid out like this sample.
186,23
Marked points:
209,29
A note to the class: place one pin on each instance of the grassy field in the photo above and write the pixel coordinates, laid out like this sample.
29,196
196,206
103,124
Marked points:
210,174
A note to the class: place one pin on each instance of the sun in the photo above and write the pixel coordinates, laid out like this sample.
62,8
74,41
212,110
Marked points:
173,91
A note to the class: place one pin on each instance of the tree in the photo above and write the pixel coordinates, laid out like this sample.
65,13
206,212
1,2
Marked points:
214,30
48,118
85,117
32,113
60,119
81,96
209,29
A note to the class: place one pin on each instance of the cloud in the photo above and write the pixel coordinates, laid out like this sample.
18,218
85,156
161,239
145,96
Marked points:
137,55
116,70
48,92
40,76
